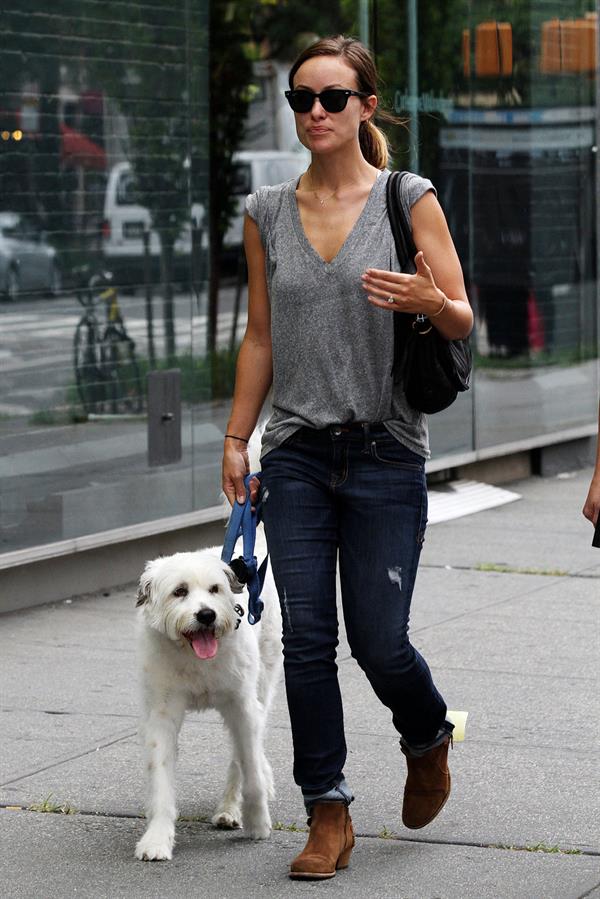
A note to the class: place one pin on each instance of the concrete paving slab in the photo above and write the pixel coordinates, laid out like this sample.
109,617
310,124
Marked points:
69,678
35,740
92,858
74,656
545,530
534,644
442,594
503,707
559,599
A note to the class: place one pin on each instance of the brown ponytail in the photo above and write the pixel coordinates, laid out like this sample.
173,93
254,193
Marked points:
373,142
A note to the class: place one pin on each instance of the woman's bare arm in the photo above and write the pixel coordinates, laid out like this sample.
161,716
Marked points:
254,371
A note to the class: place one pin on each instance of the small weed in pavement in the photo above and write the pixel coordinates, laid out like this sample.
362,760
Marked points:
508,569
292,828
53,808
539,847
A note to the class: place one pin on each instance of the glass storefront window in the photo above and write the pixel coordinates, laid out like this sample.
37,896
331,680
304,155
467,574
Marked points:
129,139
103,269
501,113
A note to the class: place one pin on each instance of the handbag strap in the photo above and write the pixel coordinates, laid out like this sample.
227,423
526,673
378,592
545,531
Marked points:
406,252
401,229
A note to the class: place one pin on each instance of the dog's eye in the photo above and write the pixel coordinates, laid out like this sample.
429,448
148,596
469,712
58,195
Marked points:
214,588
181,591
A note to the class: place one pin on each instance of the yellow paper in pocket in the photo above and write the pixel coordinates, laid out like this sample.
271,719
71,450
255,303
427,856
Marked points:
459,720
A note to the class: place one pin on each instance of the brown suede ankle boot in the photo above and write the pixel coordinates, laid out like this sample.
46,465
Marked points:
329,843
427,785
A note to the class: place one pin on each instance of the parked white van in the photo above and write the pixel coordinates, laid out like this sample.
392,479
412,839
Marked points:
254,169
125,220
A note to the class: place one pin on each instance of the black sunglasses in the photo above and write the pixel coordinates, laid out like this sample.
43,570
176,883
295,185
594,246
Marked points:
333,100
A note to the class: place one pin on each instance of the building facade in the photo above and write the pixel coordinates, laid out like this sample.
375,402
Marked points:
130,135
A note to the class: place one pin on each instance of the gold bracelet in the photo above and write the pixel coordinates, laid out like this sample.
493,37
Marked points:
439,312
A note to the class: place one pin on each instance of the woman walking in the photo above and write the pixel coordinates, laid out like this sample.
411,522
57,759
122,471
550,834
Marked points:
343,453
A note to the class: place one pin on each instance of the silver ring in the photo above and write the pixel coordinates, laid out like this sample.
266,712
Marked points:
391,299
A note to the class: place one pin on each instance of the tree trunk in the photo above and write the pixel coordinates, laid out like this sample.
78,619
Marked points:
213,291
148,289
166,275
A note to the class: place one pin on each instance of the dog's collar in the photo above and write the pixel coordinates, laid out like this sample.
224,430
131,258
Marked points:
240,613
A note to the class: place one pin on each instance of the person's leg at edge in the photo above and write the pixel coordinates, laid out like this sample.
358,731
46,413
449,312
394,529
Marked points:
383,513
301,527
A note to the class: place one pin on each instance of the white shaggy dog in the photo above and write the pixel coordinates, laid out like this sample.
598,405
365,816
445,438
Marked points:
193,655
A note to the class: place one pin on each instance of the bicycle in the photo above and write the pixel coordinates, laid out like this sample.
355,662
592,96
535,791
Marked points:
106,368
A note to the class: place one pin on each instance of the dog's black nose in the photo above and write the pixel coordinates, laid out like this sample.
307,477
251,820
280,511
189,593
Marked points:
206,616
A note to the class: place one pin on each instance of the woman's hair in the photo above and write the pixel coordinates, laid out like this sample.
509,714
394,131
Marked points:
373,142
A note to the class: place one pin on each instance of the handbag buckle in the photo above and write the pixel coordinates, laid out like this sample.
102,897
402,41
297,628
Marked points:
418,323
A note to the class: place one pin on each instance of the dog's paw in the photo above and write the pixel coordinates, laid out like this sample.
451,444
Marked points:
257,827
229,819
154,847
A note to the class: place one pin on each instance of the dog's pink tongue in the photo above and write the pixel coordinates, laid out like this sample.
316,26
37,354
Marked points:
204,644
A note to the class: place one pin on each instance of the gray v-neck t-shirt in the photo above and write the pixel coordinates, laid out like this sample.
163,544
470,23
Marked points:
333,351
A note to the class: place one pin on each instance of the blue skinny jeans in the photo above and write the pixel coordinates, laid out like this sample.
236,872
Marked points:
358,494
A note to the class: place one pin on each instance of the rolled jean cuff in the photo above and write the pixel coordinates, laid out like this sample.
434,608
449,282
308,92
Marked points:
418,749
341,792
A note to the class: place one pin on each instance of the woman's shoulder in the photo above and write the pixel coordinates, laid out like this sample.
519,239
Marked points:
413,187
266,199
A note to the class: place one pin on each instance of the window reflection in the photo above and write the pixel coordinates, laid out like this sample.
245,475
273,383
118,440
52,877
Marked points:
112,161
513,153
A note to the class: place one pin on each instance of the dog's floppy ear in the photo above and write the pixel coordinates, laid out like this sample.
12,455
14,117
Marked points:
143,594
235,575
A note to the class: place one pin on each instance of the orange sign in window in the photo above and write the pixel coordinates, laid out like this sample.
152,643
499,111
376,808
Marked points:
569,45
551,56
493,49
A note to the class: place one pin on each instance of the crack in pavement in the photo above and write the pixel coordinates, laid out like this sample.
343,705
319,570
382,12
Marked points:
62,712
533,572
590,892
63,761
492,605
471,844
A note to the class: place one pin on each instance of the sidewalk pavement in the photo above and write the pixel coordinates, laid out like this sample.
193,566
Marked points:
505,611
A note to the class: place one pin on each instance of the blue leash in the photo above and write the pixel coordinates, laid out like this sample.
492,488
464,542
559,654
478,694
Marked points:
243,522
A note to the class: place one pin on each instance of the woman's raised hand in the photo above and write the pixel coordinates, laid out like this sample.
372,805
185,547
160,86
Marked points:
399,292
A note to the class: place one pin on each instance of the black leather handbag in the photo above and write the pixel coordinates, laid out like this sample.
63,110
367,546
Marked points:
431,369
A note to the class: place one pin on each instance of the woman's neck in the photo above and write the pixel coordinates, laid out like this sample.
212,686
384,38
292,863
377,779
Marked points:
336,171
